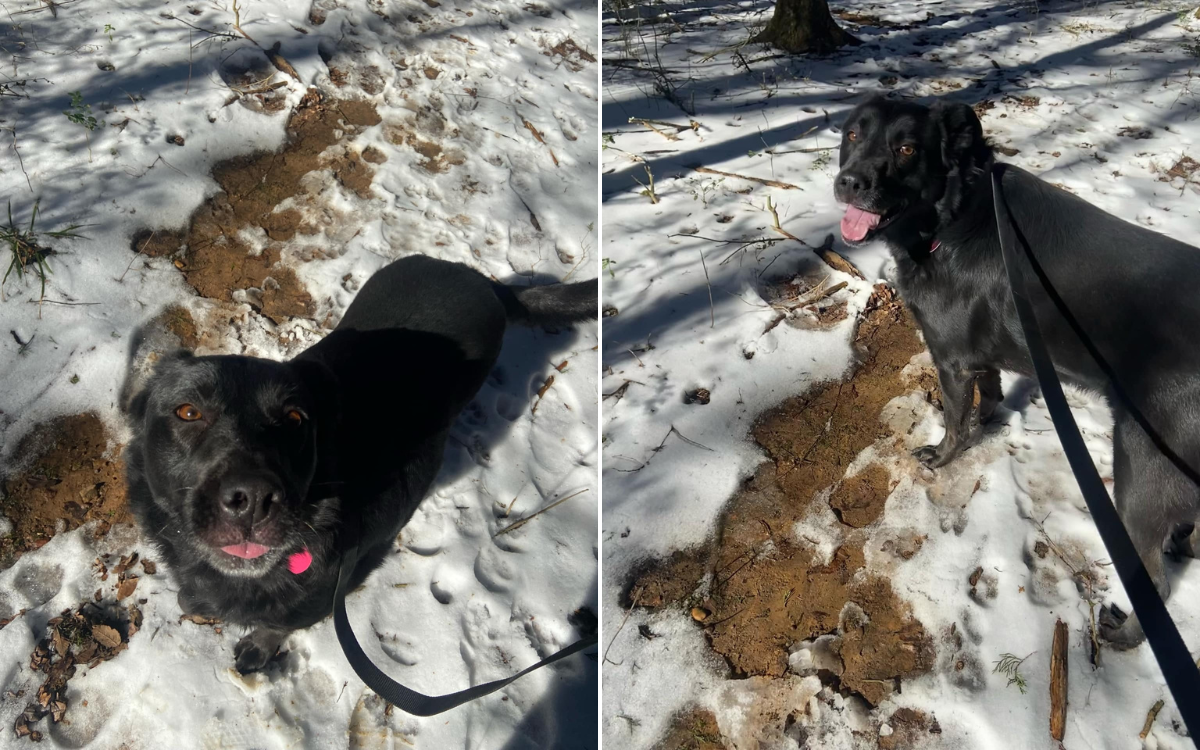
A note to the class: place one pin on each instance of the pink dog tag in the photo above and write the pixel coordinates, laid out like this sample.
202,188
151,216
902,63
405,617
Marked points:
299,562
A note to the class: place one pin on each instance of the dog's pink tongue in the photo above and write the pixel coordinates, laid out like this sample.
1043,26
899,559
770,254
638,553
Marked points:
246,550
857,222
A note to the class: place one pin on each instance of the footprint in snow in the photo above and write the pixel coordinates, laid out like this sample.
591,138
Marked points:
425,533
448,581
399,649
39,583
494,570
508,407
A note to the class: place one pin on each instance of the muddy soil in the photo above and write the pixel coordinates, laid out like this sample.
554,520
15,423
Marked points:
758,591
234,242
692,729
75,479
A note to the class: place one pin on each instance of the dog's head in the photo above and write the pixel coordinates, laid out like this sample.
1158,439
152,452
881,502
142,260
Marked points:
228,448
906,169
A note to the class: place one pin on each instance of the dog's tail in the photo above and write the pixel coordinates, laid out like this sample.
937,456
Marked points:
550,305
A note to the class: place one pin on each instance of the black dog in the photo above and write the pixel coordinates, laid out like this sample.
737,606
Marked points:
253,477
918,178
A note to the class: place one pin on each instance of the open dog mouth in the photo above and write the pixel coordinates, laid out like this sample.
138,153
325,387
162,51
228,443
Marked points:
859,223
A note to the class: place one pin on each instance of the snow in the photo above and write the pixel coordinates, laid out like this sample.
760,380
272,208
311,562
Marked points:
1095,68
454,605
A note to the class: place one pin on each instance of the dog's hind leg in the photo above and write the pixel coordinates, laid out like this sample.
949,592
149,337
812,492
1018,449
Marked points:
253,651
1153,499
990,394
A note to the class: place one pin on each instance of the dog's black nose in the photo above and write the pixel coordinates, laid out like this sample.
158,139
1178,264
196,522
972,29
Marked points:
849,184
250,498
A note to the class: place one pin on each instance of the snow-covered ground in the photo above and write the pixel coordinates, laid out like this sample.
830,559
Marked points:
1098,97
488,134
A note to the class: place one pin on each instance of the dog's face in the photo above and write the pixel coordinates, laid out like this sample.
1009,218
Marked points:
905,168
228,448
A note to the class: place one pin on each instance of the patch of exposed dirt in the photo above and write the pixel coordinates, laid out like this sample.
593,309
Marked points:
179,321
859,500
1184,169
908,729
767,590
663,583
805,301
692,729
234,239
89,635
435,160
73,481
571,54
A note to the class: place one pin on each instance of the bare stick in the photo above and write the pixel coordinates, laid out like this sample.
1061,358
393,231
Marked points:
19,159
636,596
663,133
824,252
803,150
769,183
541,393
1150,717
1058,682
712,312
189,80
529,518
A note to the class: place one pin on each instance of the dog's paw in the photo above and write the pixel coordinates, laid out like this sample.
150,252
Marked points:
1181,543
1116,627
933,456
254,651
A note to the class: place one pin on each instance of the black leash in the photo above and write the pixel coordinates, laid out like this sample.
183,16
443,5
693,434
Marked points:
407,700
1174,659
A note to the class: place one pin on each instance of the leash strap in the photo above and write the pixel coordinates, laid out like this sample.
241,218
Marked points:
406,699
1174,659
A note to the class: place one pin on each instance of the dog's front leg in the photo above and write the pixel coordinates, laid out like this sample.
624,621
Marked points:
959,410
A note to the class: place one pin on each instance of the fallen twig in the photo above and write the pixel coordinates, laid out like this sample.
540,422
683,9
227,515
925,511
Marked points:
712,311
541,393
663,133
769,183
537,513
529,126
637,595
1150,717
824,252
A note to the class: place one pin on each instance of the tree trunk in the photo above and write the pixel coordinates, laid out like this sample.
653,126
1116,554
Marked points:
804,26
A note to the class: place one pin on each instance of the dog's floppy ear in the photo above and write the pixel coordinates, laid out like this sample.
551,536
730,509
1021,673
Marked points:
324,388
323,385
963,145
145,355
966,154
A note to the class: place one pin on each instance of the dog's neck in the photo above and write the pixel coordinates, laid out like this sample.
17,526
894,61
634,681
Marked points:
971,219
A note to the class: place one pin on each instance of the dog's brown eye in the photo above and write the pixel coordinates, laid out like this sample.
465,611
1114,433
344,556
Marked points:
852,135
295,417
907,150
188,413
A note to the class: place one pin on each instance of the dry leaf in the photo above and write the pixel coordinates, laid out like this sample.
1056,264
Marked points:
126,587
106,636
